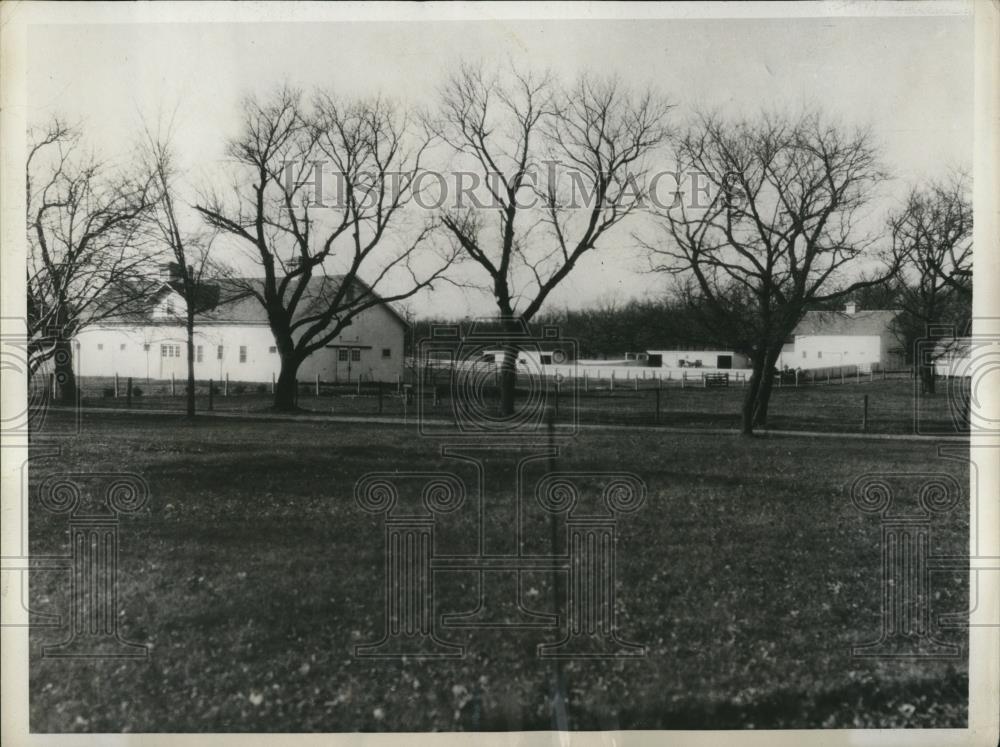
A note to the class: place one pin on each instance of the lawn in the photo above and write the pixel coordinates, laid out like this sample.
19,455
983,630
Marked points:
893,404
252,575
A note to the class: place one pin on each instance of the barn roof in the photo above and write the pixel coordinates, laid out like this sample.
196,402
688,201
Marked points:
860,323
233,300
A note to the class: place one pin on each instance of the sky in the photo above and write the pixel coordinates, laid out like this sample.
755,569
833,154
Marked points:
909,78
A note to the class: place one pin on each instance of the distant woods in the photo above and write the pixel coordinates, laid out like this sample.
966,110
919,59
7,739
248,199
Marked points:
610,329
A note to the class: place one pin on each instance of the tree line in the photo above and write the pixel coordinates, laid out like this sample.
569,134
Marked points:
781,224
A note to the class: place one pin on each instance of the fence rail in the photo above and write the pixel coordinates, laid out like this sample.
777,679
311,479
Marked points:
881,402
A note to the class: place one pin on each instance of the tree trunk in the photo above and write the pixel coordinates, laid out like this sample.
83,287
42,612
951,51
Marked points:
284,388
750,398
65,378
926,373
508,380
766,385
190,365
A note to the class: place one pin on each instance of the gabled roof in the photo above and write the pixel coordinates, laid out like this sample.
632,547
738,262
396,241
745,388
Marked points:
860,323
233,300
238,302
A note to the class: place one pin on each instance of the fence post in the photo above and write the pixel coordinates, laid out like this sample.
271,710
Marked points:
828,376
557,400
883,374
864,417
657,421
52,386
586,382
116,385
128,393
612,381
379,385
636,383
796,378
841,374
173,386
684,378
359,385
871,375
399,384
272,382
317,385
211,394
225,390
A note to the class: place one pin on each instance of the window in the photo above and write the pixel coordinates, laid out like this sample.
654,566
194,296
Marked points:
163,351
355,354
243,353
199,354
819,354
146,347
272,349
342,354
804,354
122,346
387,352
100,346
218,353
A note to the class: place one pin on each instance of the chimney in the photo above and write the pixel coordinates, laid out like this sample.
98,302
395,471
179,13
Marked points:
170,271
850,308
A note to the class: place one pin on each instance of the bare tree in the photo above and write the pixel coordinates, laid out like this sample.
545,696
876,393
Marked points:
778,233
532,224
932,238
85,259
324,258
188,246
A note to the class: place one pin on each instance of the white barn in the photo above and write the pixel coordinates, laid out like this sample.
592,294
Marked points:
232,338
831,339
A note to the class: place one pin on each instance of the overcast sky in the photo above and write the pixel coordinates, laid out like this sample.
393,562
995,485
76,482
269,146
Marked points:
909,78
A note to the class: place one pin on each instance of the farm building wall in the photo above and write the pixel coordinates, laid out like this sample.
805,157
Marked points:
819,351
708,358
372,348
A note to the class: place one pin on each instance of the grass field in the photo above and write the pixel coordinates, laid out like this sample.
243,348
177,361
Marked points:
893,404
252,574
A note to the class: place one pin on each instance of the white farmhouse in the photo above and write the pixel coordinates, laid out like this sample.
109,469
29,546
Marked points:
832,339
232,338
